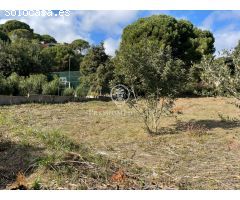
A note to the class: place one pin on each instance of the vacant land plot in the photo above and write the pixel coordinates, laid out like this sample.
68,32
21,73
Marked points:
97,145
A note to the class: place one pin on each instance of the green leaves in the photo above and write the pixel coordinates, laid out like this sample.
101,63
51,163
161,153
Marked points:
51,88
22,57
186,41
80,45
20,33
25,52
151,69
222,74
13,25
96,70
4,37
47,39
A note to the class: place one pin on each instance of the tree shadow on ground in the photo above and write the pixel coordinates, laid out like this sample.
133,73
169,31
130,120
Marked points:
165,131
15,158
207,124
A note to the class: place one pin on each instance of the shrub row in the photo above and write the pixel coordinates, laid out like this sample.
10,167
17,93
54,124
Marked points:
34,84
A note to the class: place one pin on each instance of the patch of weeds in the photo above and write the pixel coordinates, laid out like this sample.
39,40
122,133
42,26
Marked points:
46,161
52,139
57,141
68,164
37,184
193,128
197,129
225,118
3,120
184,184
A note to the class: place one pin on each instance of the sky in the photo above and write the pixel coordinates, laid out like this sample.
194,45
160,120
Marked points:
107,26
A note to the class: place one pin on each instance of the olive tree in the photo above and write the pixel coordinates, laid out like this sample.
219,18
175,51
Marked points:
146,67
220,76
223,76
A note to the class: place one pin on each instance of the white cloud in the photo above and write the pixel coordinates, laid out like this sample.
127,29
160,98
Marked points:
111,45
182,17
226,36
110,22
218,16
80,24
62,28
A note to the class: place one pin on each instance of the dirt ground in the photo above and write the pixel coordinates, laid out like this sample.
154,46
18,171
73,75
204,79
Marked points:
200,149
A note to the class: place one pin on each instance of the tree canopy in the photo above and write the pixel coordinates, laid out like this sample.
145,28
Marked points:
47,39
4,37
80,45
187,42
23,57
96,70
151,70
24,52
93,59
13,25
20,33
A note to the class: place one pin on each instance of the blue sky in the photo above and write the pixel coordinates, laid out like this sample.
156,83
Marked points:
107,26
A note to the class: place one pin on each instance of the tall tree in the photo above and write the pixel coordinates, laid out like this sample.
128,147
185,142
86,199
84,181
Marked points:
187,42
80,45
92,67
23,57
79,48
58,56
13,25
47,39
104,76
20,34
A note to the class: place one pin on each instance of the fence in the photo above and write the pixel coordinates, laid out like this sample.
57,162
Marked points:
12,100
73,77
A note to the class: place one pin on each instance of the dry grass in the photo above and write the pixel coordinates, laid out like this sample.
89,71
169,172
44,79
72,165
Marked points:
198,151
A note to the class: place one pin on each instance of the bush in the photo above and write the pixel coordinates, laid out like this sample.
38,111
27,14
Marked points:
23,87
6,85
3,85
68,92
37,83
52,87
33,84
13,84
82,90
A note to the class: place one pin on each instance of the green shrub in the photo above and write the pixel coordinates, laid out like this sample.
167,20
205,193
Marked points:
68,92
52,87
23,87
8,86
32,84
36,83
3,85
82,90
13,82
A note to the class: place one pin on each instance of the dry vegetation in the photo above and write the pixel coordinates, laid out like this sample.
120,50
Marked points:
93,145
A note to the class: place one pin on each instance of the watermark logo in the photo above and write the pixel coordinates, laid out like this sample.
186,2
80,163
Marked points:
120,94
